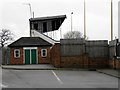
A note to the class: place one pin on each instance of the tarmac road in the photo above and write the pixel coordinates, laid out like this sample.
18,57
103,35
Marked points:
57,79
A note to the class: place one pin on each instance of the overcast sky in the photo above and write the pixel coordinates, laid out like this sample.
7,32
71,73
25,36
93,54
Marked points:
14,15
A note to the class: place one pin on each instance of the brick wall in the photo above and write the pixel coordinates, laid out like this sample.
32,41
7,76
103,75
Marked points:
84,54
75,61
72,62
43,60
83,61
114,63
118,64
55,58
98,62
55,55
16,60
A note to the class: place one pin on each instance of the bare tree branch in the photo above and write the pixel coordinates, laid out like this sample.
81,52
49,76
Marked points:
73,35
5,37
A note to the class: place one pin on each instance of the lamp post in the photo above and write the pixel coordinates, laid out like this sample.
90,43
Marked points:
111,20
71,21
30,8
30,12
84,20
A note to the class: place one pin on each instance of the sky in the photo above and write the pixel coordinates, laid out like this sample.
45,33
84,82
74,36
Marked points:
15,14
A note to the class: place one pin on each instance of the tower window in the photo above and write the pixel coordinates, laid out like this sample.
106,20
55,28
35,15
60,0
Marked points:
55,24
44,26
35,26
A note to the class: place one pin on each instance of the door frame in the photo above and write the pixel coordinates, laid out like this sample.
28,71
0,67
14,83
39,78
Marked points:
30,54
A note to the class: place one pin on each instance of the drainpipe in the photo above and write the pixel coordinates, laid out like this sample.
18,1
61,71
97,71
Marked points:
116,53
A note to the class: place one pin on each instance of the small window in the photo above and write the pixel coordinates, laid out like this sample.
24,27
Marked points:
53,25
35,26
44,52
16,53
44,26
57,24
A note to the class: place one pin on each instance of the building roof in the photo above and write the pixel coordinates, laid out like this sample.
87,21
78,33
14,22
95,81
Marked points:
29,42
48,18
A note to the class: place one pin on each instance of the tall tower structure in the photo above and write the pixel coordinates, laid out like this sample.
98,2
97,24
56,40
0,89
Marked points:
46,24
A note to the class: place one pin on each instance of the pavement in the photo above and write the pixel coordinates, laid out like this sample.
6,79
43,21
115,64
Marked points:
29,67
111,72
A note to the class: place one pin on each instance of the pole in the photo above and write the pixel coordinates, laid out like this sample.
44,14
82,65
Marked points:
115,56
2,56
60,31
71,21
111,20
30,10
84,21
33,14
116,44
2,49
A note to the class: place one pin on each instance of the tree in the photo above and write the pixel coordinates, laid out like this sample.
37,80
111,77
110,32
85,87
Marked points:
5,37
73,35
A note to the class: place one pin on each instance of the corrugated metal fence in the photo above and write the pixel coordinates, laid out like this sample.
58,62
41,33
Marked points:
5,55
97,48
71,47
74,47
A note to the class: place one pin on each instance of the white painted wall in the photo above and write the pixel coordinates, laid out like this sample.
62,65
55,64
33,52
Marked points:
34,33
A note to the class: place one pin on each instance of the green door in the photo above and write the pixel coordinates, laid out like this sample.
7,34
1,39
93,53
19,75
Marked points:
33,56
27,56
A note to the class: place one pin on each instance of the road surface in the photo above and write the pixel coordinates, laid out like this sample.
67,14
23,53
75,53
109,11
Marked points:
57,79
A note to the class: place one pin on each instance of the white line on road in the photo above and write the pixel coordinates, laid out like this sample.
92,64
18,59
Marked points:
57,77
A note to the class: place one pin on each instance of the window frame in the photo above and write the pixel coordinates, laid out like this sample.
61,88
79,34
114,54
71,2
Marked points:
15,56
43,52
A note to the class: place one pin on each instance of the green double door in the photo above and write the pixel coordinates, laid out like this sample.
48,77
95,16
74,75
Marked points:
30,56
